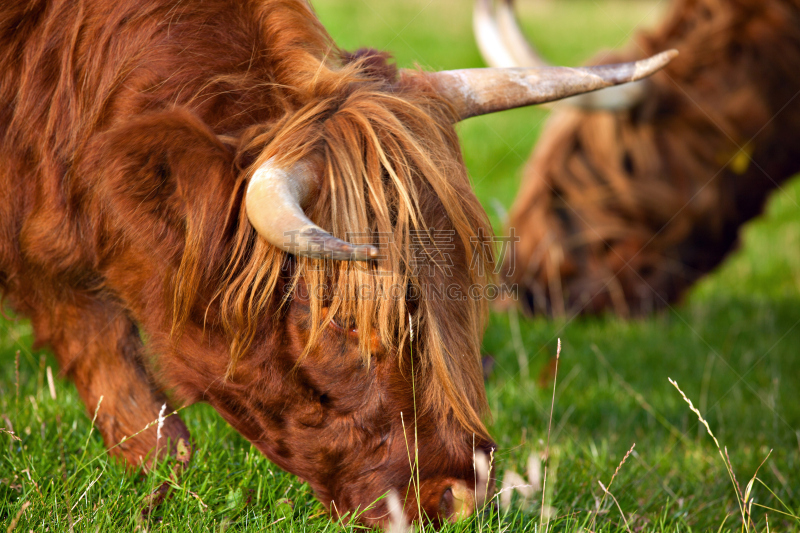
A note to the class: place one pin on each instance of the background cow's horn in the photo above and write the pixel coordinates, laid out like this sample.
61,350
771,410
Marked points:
480,91
503,44
273,201
500,39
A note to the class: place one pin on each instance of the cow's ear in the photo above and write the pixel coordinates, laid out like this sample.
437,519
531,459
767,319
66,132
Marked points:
164,187
166,168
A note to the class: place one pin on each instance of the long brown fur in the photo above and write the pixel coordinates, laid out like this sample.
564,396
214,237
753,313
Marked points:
129,130
625,210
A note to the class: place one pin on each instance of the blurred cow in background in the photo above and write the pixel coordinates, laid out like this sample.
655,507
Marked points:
633,194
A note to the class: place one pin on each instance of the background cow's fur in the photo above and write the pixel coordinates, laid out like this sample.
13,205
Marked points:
128,130
626,209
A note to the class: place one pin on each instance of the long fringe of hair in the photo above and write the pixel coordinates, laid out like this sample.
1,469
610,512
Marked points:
392,170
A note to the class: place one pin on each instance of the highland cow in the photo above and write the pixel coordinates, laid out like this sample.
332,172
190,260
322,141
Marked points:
632,195
167,171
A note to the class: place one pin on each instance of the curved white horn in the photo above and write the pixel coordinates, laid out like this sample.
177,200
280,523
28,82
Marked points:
489,38
499,36
518,45
273,202
480,91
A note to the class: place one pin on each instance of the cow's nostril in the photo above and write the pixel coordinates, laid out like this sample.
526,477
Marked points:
446,503
458,501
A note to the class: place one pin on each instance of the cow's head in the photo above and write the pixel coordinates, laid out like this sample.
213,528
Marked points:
326,377
350,402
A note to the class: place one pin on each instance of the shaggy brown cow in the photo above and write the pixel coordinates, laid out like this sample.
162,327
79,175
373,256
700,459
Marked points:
157,156
625,209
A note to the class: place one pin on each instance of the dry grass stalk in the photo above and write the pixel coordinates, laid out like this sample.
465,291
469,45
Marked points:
91,429
606,491
11,433
483,471
15,521
726,461
511,482
414,464
549,428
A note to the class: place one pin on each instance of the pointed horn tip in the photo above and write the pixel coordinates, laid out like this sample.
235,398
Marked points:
365,252
338,250
651,65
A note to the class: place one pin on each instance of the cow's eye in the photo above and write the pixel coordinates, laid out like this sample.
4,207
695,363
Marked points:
347,327
324,399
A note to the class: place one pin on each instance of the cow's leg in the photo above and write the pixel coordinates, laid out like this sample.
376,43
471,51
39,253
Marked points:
98,346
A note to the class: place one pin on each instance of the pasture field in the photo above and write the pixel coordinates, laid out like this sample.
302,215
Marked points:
733,346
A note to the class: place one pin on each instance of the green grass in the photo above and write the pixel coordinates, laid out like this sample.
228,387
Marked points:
732,346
